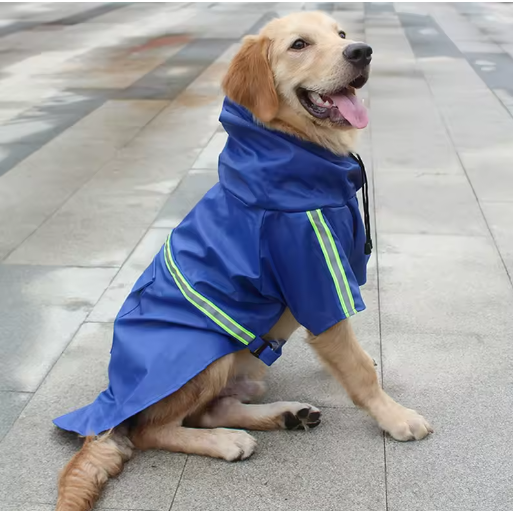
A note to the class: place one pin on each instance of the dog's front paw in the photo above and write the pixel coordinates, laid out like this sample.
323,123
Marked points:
301,416
404,424
235,445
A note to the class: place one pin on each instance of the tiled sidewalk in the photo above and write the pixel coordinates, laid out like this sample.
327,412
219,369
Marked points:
109,135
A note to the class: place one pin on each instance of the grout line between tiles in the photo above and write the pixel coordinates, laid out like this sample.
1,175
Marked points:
179,481
378,284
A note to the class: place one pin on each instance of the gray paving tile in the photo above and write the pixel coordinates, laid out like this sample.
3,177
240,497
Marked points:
42,183
194,185
116,115
192,60
110,303
426,149
11,404
378,8
427,204
94,228
399,95
37,126
451,285
498,216
495,69
209,157
339,465
39,185
89,14
496,182
42,310
12,153
16,26
462,383
34,451
103,222
484,148
211,24
33,13
426,37
506,98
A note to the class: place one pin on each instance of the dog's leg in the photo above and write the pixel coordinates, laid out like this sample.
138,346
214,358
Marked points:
226,444
229,412
244,390
354,368
247,382
160,426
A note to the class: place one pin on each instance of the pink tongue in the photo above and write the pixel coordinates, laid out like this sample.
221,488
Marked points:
352,109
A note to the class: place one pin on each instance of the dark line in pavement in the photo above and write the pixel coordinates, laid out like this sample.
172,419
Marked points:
179,482
373,13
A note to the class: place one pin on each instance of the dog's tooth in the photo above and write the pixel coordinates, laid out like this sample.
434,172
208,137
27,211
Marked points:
316,98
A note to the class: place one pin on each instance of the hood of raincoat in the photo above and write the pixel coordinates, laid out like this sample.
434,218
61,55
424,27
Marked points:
275,171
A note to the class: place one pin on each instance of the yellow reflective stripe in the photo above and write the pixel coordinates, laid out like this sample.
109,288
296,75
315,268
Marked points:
337,257
328,262
203,304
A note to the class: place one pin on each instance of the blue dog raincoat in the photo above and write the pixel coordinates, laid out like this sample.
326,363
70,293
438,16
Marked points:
281,229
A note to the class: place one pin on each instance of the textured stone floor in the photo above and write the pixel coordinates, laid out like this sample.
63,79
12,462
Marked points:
109,135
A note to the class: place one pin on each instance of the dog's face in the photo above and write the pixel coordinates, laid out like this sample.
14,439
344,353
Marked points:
302,71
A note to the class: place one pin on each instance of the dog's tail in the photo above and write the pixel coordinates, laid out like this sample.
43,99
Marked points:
83,478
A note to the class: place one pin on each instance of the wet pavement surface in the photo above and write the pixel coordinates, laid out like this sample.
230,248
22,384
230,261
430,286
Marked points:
109,135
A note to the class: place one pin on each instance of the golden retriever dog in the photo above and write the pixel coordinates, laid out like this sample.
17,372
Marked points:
287,77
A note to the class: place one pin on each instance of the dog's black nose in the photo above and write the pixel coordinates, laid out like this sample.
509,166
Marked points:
358,54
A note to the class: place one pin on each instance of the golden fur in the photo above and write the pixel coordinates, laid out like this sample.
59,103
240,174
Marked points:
263,77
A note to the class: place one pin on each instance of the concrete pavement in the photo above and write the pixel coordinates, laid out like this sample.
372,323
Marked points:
109,135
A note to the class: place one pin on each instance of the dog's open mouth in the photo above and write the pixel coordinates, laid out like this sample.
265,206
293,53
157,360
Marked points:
341,107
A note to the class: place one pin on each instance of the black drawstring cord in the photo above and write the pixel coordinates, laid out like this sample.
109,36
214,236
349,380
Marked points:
365,196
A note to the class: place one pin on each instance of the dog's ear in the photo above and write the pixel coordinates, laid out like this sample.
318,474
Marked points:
250,82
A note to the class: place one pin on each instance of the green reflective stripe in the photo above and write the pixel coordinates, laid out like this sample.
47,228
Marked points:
339,262
206,306
333,261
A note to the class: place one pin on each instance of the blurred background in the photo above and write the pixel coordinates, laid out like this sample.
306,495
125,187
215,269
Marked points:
108,137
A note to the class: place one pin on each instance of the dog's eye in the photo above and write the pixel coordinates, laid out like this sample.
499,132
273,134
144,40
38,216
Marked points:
342,34
299,44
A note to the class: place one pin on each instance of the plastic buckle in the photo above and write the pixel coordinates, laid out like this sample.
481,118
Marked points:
268,351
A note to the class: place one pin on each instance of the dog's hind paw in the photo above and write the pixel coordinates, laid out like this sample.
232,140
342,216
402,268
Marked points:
302,417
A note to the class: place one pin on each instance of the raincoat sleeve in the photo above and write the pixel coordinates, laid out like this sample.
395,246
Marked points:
309,264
